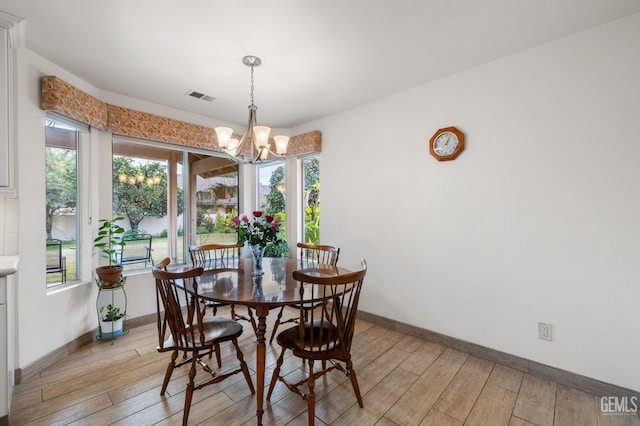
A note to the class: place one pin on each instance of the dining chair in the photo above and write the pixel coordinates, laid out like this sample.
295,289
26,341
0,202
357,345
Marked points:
308,253
323,334
220,257
136,249
186,329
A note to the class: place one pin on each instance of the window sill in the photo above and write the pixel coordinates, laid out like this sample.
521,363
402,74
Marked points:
65,287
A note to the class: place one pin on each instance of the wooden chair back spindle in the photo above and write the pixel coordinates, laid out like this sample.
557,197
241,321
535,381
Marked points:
319,253
216,256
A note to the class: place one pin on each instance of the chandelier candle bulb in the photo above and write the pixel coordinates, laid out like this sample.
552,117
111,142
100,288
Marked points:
261,134
281,144
224,136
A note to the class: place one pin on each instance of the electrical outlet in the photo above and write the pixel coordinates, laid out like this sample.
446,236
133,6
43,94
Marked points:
544,331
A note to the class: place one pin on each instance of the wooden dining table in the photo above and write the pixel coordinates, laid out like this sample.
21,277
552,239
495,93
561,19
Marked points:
274,289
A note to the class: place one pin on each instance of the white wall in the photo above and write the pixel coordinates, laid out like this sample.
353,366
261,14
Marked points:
536,220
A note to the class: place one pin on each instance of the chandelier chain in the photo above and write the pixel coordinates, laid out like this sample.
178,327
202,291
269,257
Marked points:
251,85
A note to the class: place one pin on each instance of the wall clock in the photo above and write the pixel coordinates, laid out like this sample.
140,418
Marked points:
446,144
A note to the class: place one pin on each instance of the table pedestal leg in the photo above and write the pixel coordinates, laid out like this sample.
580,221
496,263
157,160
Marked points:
261,355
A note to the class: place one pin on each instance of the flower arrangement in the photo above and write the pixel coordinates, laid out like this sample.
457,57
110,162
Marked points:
259,231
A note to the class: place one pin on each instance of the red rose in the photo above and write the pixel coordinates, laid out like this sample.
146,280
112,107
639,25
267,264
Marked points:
257,213
269,218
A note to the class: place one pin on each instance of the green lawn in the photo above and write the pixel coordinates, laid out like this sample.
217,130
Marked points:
158,245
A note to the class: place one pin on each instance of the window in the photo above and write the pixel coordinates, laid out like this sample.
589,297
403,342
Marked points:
62,215
271,190
311,199
180,198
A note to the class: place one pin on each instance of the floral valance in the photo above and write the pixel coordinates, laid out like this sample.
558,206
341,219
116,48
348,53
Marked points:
60,96
63,98
125,121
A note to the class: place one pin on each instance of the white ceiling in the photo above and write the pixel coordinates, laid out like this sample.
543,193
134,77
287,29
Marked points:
319,57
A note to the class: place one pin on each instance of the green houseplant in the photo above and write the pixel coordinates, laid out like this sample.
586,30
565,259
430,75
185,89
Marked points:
108,241
111,321
112,314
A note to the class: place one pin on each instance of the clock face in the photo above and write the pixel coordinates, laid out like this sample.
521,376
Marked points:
445,144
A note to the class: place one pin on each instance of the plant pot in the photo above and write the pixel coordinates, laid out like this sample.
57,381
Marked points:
110,274
111,328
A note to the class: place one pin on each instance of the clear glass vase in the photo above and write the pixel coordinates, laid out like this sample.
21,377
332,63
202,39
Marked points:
257,252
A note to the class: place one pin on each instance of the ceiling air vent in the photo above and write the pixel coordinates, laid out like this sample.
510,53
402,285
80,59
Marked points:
199,95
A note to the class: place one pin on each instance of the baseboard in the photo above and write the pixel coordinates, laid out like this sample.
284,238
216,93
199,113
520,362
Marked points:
567,378
52,357
140,321
58,354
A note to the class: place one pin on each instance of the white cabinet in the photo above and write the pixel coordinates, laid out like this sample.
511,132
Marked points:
12,30
8,267
7,349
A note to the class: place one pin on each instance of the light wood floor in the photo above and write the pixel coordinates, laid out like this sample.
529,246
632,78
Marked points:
404,381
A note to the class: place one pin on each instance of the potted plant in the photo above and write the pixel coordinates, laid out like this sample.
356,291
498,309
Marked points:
111,321
108,241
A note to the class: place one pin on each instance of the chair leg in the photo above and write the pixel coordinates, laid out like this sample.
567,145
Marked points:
167,375
216,349
354,382
190,388
276,324
243,366
276,373
311,396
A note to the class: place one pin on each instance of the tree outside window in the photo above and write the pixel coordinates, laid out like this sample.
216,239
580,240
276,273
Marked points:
274,200
311,200
140,190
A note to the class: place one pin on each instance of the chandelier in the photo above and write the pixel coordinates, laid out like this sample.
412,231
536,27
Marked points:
139,178
258,136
